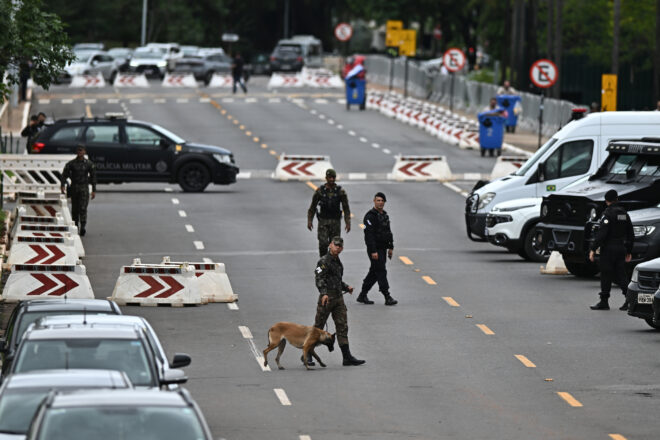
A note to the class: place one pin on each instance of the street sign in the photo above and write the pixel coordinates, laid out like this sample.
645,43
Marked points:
407,42
437,33
453,59
543,73
343,31
392,51
392,28
230,38
608,93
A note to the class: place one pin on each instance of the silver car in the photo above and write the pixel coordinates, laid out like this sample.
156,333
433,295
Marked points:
203,67
150,61
92,63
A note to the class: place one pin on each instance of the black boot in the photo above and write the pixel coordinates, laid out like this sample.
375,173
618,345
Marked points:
389,301
82,229
362,298
601,305
348,357
624,306
310,360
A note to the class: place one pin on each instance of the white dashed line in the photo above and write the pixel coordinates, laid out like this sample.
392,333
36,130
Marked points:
160,101
321,116
351,133
113,101
331,122
204,100
67,101
245,331
135,101
321,101
456,189
247,334
375,145
244,175
357,176
182,100
284,400
250,100
175,201
232,306
312,111
304,437
44,101
199,245
168,190
386,151
182,213
341,101
472,176
273,100
190,228
207,260
364,139
227,99
340,127
90,101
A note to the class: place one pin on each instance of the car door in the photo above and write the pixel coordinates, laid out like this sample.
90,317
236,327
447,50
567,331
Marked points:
150,154
566,164
105,148
64,140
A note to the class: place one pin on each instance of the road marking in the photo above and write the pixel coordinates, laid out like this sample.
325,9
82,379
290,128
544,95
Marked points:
190,228
311,185
386,151
364,139
375,145
135,101
44,101
230,117
232,306
357,176
242,127
340,127
204,99
168,190
569,399
472,176
67,101
454,188
405,260
256,139
250,100
199,245
223,111
182,213
312,111
245,331
247,334
361,225
321,116
88,111
264,146
236,122
227,99
207,260
273,152
351,133
617,437
304,437
484,328
248,133
284,400
113,101
274,100
182,100
526,362
331,122
90,101
449,300
321,101
429,280
160,101
175,201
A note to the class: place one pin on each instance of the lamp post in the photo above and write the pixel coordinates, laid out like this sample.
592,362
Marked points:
143,38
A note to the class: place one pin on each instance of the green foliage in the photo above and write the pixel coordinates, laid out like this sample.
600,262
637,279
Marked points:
31,35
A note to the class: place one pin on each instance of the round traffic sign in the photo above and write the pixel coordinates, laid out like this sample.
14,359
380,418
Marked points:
437,33
453,59
343,31
543,73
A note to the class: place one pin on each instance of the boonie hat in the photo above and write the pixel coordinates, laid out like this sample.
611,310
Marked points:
338,241
330,173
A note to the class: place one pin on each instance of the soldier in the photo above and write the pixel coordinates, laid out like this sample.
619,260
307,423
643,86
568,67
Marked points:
329,272
332,200
379,240
82,173
615,239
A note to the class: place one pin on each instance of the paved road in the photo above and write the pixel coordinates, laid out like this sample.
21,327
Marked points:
479,347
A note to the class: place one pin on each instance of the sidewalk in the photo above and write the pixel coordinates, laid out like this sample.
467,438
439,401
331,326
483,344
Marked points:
14,119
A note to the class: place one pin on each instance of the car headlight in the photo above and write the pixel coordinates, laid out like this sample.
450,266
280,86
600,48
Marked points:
635,276
222,158
161,63
593,214
544,210
485,200
641,230
133,63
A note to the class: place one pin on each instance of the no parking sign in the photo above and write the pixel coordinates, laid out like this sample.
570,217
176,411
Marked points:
543,73
453,59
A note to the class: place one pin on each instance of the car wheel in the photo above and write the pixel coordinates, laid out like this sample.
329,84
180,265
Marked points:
194,177
113,75
650,322
208,77
582,270
532,250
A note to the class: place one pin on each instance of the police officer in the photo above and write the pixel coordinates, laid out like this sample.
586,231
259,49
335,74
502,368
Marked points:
329,272
615,239
380,245
82,173
332,200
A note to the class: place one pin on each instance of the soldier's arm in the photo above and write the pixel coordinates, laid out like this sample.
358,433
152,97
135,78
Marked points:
369,233
320,274
65,174
312,207
602,233
345,207
92,175
630,235
390,245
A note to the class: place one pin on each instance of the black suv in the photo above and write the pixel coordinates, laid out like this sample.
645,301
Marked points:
134,151
569,218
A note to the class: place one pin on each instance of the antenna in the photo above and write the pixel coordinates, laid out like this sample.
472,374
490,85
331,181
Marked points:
84,315
66,360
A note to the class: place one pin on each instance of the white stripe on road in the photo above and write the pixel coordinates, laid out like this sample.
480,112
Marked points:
257,354
175,201
67,101
207,260
135,101
357,176
199,245
340,127
244,175
182,100
250,100
227,99
386,151
454,188
321,101
247,334
168,190
472,176
312,111
113,101
232,306
204,100
341,101
375,145
321,116
90,101
351,132
160,101
44,101
364,139
190,228
331,122
272,100
304,437
182,213
284,400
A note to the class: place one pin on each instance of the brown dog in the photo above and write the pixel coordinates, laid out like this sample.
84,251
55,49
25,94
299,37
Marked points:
306,337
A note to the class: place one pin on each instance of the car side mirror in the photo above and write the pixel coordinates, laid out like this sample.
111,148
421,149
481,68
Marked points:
180,360
172,377
164,143
95,62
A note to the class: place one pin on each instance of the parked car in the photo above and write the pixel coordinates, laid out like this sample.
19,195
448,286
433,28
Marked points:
189,50
134,151
204,66
21,394
644,284
123,57
88,46
287,57
28,312
150,61
119,414
91,63
171,51
259,65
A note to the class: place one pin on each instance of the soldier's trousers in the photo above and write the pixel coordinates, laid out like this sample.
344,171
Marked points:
613,268
327,228
377,273
79,202
337,309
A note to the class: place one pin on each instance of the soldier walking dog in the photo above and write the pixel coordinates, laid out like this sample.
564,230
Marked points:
304,337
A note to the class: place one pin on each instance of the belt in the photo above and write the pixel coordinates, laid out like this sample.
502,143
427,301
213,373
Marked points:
332,293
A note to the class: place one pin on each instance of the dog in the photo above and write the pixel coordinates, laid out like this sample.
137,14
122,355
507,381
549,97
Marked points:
305,337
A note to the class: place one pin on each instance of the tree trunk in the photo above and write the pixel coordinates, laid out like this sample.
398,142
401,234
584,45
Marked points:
505,56
615,33
559,6
550,49
531,48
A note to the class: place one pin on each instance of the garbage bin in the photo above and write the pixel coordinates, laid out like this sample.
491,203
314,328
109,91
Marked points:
508,103
491,132
356,93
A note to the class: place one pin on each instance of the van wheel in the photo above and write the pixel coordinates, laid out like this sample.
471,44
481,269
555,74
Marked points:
531,249
208,77
649,321
194,177
582,270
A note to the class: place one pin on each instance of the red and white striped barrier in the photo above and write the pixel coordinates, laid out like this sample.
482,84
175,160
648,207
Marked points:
43,207
218,80
283,80
87,81
505,165
179,80
42,250
41,281
131,80
152,285
302,167
212,279
420,168
35,230
470,139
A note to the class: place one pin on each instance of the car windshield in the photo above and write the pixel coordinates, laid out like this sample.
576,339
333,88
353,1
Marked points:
289,48
17,407
119,52
169,134
126,355
148,54
622,163
83,55
121,422
535,158
30,317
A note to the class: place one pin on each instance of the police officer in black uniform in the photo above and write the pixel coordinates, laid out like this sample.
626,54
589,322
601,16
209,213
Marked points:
615,239
82,173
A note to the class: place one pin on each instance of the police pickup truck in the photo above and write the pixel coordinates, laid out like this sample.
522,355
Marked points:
569,218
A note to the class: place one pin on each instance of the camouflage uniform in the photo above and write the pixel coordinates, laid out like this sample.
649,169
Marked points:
82,173
329,272
332,200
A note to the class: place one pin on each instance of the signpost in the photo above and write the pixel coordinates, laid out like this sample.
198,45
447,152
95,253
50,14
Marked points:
453,60
608,93
343,32
543,74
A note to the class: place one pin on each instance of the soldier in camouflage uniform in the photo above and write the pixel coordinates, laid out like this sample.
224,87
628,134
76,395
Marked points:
82,173
329,272
332,200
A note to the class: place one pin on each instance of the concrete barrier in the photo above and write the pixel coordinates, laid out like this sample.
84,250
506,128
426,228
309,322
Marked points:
33,230
43,281
153,285
87,81
505,165
212,278
42,250
32,172
33,219
131,80
179,80
282,80
44,207
301,167
420,168
218,80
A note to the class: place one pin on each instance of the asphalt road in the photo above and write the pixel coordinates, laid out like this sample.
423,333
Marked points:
480,346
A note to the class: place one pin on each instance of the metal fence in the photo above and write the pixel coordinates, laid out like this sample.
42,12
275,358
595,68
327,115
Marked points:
469,96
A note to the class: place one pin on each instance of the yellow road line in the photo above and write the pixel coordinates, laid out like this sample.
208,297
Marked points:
311,185
569,399
273,152
429,280
223,111
617,437
484,328
405,260
264,146
248,133
526,362
88,111
449,300
256,139
236,122
242,127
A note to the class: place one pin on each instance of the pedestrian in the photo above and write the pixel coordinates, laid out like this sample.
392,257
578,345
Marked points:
329,273
506,89
82,173
42,120
30,131
24,75
380,246
493,108
332,201
594,107
615,238
237,72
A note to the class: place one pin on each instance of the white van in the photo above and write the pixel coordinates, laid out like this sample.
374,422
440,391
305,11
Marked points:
576,150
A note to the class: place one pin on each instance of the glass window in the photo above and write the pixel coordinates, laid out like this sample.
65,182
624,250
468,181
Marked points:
29,317
67,134
17,407
622,163
535,158
570,159
102,134
651,167
142,136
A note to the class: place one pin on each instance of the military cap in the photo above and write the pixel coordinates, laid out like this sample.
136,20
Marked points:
338,241
381,195
330,173
611,195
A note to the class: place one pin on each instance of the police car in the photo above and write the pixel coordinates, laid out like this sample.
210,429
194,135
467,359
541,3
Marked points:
135,151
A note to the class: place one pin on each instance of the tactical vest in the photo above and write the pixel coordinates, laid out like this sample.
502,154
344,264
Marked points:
330,202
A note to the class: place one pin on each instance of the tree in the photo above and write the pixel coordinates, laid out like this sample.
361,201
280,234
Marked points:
30,35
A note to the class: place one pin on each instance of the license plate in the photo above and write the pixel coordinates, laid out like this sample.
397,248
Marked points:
286,66
644,298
